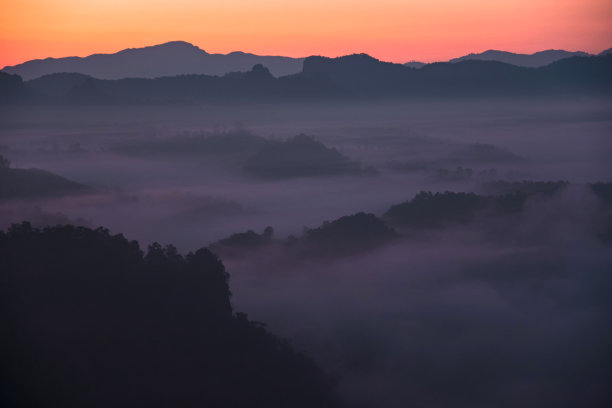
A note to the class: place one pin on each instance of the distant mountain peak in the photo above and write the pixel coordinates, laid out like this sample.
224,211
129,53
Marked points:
352,59
360,56
176,44
170,45
488,52
606,52
415,64
550,51
535,60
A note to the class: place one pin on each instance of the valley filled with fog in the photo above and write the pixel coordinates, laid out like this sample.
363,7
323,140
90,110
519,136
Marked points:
151,168
496,298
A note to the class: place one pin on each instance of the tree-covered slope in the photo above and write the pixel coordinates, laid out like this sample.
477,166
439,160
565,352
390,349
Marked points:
91,320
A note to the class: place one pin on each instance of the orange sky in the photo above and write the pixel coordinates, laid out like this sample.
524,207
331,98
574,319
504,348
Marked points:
393,30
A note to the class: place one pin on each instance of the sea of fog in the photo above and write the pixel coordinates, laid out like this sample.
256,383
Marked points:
456,317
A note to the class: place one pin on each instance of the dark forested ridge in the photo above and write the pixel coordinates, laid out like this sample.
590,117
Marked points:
350,234
434,210
427,211
345,236
351,76
91,320
363,75
256,84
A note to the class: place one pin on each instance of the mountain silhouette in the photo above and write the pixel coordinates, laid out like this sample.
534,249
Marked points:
362,75
169,59
538,59
257,83
415,64
182,58
348,77
606,52
344,236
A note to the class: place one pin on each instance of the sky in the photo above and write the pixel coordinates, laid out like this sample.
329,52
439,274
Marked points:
391,30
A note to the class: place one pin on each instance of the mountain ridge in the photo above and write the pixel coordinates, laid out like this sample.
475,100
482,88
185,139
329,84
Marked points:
174,58
322,78
535,60
167,59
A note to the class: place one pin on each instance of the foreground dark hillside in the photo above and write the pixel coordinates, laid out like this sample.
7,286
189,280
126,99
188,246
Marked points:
91,320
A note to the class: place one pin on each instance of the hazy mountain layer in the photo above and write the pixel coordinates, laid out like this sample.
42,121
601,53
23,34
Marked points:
182,58
352,76
535,60
169,59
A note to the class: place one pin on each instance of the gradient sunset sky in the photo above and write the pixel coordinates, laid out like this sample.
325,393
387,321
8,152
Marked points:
392,30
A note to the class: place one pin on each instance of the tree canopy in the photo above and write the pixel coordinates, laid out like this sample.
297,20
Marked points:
89,319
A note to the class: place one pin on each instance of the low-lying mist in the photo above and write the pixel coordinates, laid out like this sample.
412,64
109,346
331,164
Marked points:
457,315
500,298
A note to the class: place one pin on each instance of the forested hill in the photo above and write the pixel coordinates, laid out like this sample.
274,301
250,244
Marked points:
90,320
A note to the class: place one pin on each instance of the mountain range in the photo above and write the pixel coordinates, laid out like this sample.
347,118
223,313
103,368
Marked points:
535,60
322,78
169,59
366,76
182,58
